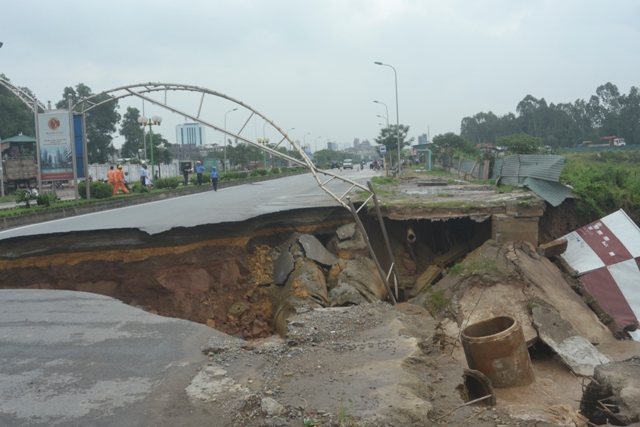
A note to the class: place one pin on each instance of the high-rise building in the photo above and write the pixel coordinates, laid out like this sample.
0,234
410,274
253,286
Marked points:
423,139
190,133
356,143
332,146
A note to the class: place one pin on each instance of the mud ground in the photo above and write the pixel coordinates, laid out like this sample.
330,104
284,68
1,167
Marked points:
368,365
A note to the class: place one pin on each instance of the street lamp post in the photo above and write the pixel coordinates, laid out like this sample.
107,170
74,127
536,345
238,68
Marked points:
225,138
154,120
395,73
264,141
385,107
383,117
316,144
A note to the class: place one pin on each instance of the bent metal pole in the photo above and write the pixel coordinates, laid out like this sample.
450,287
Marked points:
371,252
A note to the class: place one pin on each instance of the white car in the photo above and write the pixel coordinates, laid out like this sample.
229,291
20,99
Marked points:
347,164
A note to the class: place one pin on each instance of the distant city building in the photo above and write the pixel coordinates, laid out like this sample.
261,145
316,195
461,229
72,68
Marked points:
190,133
423,139
356,143
332,146
184,151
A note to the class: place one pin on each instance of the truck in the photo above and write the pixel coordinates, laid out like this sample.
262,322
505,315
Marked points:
347,164
19,167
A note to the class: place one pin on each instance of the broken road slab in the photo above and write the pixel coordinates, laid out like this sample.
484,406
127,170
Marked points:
79,359
578,353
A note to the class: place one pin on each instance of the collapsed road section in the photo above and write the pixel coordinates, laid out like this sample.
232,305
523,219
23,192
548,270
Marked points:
306,276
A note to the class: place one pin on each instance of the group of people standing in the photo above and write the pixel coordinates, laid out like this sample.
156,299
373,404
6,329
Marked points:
199,171
118,179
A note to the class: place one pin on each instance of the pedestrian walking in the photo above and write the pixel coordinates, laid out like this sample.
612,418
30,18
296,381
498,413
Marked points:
199,170
144,177
126,180
214,178
119,181
111,177
185,172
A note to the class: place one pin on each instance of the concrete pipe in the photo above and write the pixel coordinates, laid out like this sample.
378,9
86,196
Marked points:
411,236
497,348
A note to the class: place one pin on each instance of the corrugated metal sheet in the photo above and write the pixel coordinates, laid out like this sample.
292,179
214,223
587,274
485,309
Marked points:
466,166
542,167
517,168
538,172
552,191
497,168
510,171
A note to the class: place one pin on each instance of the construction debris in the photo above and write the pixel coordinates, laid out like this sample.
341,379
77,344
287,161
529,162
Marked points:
552,249
578,353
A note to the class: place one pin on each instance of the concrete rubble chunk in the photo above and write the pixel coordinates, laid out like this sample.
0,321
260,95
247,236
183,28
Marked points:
617,385
282,267
346,231
555,248
271,407
574,350
358,283
314,250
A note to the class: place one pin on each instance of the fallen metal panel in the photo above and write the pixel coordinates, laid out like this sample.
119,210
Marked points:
552,192
607,255
607,241
617,290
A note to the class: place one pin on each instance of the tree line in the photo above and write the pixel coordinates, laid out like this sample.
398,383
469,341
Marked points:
607,113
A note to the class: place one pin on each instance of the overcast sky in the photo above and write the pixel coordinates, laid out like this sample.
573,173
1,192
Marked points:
309,65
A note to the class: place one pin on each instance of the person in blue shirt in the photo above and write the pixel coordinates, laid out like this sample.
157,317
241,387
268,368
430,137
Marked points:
199,170
214,178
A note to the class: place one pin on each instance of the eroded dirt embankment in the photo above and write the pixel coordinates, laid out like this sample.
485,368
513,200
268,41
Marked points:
208,274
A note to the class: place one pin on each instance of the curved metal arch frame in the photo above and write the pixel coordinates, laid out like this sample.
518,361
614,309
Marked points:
141,90
27,99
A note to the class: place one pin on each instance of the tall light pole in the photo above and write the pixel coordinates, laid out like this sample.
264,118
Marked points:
383,117
154,120
316,143
385,107
395,73
225,138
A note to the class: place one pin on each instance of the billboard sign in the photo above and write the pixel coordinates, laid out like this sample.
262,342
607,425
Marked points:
54,141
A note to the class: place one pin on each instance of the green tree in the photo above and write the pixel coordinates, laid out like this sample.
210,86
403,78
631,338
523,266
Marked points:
450,143
161,149
132,132
15,116
520,143
389,138
101,122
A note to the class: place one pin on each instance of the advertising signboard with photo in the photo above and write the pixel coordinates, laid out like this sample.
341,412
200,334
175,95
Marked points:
54,140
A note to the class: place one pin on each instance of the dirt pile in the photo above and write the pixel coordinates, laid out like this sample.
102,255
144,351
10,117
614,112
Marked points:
367,365
563,333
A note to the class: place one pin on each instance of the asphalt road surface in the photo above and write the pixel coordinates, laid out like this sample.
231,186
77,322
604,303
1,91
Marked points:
229,204
79,359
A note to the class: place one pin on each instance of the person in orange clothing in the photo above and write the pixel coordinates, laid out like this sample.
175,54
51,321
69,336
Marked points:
111,177
119,181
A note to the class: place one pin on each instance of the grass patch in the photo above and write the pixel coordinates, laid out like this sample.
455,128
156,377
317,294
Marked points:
438,301
456,269
505,189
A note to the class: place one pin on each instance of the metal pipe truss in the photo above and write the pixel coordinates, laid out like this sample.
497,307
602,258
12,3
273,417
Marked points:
143,90
23,96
